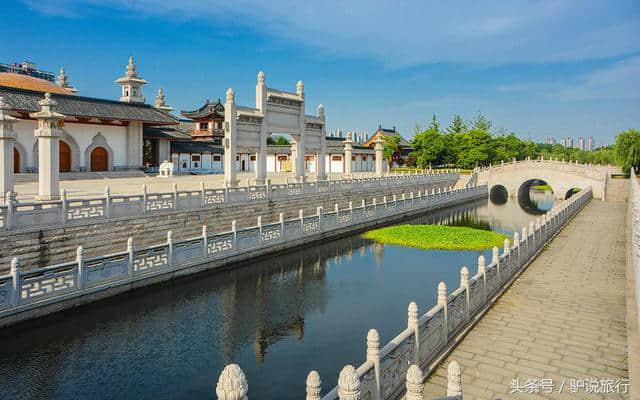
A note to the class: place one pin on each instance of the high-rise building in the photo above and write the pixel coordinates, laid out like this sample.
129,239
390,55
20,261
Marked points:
563,142
590,143
551,140
581,143
569,141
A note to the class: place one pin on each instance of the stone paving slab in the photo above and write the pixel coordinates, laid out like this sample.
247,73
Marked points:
563,320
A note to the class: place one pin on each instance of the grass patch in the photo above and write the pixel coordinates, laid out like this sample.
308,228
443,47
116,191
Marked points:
437,237
541,187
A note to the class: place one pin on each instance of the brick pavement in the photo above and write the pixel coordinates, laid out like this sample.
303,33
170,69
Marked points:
562,320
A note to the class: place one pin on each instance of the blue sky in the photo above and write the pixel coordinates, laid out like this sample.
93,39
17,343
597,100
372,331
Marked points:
539,68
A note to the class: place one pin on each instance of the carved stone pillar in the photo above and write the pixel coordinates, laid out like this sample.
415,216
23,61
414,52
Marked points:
230,140
377,145
7,141
348,154
320,157
48,134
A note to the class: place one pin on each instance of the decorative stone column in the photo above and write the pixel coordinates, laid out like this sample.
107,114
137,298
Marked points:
48,134
261,104
298,140
230,140
348,154
7,141
320,157
377,145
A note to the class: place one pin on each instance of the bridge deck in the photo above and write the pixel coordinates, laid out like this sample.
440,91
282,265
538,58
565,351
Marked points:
562,320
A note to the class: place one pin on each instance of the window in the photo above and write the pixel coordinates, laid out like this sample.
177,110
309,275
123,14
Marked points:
238,157
217,125
336,158
353,158
283,157
204,125
195,157
253,158
216,158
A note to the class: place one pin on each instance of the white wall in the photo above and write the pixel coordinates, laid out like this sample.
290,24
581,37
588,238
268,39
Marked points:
83,135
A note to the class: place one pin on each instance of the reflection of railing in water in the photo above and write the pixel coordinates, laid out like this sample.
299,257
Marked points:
392,369
26,291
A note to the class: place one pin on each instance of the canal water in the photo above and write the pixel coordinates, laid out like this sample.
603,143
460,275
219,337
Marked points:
277,318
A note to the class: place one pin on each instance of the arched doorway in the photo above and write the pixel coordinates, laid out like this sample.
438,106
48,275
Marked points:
16,161
65,157
99,159
498,194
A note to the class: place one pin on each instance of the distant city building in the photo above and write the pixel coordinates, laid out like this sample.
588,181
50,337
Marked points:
551,141
581,144
590,143
28,68
563,142
569,141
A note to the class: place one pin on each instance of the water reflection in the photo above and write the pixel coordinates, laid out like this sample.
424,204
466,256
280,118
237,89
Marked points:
278,318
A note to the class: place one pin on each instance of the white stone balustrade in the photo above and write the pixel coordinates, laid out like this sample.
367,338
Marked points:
69,210
428,336
60,282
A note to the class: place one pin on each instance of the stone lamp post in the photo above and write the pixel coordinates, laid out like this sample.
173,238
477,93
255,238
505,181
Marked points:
7,141
48,134
377,145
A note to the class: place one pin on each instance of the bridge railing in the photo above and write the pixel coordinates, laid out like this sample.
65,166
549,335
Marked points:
73,210
429,337
593,171
24,290
634,210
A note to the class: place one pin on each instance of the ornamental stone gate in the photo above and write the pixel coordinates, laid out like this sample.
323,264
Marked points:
276,111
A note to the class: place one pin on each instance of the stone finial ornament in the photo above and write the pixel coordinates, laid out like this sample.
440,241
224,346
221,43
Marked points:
495,255
160,102
313,386
300,88
482,266
63,79
516,238
415,385
348,384
464,277
454,379
230,95
261,77
321,111
232,384
442,293
373,343
412,313
131,69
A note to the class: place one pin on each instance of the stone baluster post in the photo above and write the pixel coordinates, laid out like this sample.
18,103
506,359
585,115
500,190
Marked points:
281,221
482,269
348,384
268,188
80,261
144,198
319,213
336,209
259,226
377,145
351,211
234,232
48,134
107,202
175,196
131,255
202,195
170,248
464,283
412,323
516,243
313,386
7,143
532,232
454,379
232,384
373,355
230,140
525,239
414,384
9,219
15,281
205,241
442,301
495,259
301,216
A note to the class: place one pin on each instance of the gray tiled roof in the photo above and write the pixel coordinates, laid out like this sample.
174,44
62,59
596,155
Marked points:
184,146
78,106
206,110
169,132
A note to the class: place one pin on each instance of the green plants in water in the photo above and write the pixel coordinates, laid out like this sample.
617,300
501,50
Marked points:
437,237
541,187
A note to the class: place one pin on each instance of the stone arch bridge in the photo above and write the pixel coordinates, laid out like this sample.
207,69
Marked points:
562,176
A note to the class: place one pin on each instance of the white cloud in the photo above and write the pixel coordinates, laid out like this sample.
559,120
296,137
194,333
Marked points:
415,32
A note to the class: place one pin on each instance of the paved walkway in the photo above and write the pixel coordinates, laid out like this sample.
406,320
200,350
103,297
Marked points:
563,320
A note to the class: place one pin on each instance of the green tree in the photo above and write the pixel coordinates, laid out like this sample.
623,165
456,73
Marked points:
434,125
628,150
457,125
429,148
480,122
391,149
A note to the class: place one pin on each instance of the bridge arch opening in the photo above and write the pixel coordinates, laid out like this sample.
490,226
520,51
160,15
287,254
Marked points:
535,196
571,192
498,195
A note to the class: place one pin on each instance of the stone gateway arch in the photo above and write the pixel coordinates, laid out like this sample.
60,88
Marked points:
246,130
